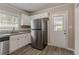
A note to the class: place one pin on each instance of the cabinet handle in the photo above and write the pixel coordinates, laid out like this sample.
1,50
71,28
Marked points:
18,39
25,36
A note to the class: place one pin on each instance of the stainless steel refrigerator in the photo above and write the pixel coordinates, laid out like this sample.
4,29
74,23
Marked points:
39,33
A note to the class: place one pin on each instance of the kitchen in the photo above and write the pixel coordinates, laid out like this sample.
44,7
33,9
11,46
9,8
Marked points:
16,28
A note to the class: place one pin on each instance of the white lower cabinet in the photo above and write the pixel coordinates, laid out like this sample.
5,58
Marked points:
14,44
18,41
27,40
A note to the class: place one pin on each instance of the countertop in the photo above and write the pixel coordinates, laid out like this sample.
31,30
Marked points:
13,33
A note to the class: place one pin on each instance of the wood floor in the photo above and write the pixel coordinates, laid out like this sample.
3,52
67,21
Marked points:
49,50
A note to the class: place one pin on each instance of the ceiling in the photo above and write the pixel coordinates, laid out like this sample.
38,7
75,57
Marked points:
32,7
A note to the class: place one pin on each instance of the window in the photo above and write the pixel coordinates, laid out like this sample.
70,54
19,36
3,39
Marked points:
8,22
58,23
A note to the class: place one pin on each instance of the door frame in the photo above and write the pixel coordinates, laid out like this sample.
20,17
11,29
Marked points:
51,28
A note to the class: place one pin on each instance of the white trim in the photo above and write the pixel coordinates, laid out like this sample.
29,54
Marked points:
77,5
50,44
70,49
76,52
61,47
52,34
9,13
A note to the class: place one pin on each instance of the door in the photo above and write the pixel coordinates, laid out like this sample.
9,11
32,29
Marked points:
59,29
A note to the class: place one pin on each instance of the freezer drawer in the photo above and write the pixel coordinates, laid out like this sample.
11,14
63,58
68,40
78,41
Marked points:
36,39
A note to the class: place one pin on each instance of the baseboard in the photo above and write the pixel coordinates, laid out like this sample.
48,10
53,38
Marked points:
61,47
70,49
76,52
50,44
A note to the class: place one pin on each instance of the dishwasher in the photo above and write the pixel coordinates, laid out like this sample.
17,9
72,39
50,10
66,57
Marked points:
4,45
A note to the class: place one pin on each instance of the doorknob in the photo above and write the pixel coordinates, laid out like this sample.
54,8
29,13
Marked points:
65,33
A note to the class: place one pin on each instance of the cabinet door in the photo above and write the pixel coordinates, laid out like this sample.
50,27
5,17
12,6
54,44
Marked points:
21,40
25,19
38,16
44,15
27,38
16,42
35,16
13,43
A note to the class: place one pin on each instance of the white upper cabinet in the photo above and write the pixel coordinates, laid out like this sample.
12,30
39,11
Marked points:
25,19
38,16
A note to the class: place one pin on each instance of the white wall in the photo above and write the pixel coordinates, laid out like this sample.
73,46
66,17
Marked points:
76,29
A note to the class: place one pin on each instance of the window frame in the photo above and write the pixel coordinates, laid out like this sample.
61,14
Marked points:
54,25
11,14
